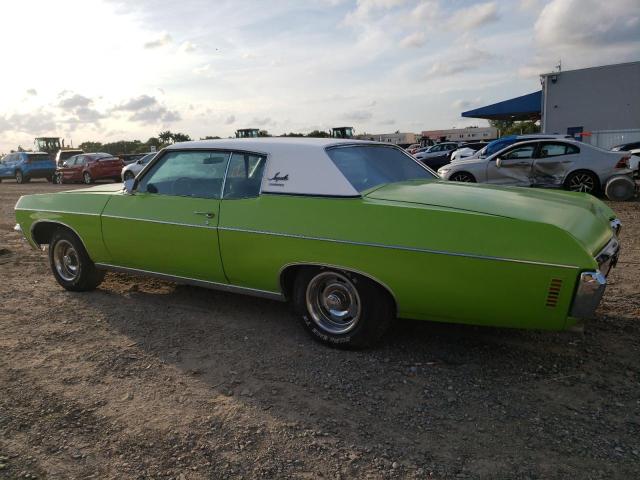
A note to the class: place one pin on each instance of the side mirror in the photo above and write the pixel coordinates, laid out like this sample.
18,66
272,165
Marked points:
498,162
139,162
65,164
128,186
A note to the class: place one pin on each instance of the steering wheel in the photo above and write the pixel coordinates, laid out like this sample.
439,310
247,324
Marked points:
181,186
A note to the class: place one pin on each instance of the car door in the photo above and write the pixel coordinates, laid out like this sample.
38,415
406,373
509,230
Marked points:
553,162
73,171
512,166
6,168
170,224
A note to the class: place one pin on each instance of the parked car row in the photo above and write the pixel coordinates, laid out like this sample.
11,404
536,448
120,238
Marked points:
546,162
23,166
89,167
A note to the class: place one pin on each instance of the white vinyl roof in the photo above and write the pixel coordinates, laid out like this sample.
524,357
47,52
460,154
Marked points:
294,165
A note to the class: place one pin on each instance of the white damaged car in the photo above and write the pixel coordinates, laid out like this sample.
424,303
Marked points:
559,163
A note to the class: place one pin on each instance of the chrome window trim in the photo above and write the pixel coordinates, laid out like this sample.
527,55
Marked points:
226,287
397,247
163,222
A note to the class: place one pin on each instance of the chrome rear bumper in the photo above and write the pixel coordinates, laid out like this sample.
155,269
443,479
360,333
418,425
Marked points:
591,285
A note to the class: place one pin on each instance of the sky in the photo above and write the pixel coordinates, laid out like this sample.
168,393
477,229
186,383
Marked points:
107,70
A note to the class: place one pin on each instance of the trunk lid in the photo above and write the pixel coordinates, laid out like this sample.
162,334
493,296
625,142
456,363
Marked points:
585,217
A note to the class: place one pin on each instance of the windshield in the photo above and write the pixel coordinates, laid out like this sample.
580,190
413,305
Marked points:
366,167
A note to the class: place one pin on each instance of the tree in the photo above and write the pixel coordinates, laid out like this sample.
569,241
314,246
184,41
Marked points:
291,134
91,147
510,127
318,134
166,137
181,137
263,133
208,137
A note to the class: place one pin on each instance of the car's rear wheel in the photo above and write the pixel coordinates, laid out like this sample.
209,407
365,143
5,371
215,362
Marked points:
86,178
49,178
462,177
582,181
341,308
70,262
128,175
20,177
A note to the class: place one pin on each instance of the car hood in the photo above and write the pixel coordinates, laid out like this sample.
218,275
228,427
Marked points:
585,217
103,188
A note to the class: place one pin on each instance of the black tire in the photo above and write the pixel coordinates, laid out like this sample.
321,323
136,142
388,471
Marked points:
20,178
128,175
86,178
465,177
57,178
49,178
582,181
70,262
375,307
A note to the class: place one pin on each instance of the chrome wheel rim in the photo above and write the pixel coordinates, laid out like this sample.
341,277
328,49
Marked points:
87,178
582,182
19,177
333,302
66,260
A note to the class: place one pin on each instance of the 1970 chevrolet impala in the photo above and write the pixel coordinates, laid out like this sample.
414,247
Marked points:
353,233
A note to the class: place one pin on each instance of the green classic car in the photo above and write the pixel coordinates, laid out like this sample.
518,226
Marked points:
353,233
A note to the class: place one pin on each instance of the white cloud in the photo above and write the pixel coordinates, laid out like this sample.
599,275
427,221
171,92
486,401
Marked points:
187,47
231,119
161,41
358,116
415,40
474,16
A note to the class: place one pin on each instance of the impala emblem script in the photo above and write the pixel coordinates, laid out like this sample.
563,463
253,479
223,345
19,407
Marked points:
278,180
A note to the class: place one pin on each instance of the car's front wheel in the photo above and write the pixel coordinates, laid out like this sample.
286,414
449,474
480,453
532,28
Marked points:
86,177
128,175
462,177
342,309
70,263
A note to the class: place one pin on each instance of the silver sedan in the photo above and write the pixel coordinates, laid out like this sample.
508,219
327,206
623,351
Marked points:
565,164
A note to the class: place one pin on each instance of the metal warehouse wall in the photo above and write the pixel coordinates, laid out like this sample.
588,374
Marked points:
599,98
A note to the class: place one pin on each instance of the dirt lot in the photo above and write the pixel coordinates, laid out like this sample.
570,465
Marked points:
145,379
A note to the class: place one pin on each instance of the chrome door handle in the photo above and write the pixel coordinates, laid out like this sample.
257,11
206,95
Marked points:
206,214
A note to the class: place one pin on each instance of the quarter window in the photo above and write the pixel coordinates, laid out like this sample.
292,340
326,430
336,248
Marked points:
187,174
244,176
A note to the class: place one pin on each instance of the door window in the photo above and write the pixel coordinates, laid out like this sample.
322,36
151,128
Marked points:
244,176
520,152
187,174
557,149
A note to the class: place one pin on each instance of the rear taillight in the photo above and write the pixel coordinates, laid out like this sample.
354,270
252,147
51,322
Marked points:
623,162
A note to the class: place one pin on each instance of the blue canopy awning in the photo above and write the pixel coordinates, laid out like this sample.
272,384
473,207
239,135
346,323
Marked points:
526,107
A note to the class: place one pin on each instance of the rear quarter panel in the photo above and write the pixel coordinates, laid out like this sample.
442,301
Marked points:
438,263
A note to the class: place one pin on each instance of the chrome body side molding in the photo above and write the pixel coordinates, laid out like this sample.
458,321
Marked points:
397,247
194,281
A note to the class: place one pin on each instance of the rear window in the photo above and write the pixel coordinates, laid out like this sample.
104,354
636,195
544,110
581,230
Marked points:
68,154
38,157
366,167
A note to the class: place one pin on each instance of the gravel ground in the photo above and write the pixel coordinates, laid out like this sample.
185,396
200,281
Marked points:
146,379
